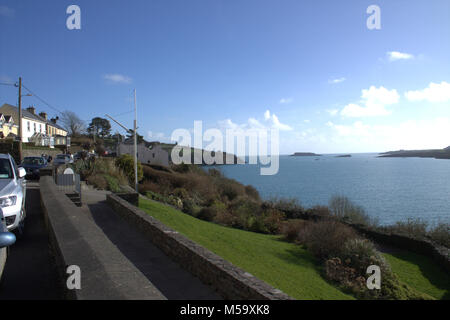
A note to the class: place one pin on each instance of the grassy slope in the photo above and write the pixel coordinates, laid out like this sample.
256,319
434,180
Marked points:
420,273
285,266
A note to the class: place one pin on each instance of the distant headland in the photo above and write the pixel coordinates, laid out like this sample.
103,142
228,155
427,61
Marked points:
432,153
305,154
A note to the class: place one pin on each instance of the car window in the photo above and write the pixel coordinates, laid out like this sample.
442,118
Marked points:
6,172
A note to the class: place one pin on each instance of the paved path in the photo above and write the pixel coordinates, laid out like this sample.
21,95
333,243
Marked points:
30,272
167,276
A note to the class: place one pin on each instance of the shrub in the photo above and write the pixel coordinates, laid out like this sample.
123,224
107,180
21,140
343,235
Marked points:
441,234
350,267
361,253
292,228
291,207
230,189
412,227
208,213
252,192
113,183
325,239
180,193
126,163
320,211
226,218
98,181
273,220
346,211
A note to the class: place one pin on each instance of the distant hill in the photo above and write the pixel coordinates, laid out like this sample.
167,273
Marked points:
432,153
305,154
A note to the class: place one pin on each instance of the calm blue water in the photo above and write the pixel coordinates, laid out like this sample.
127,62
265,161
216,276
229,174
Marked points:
391,189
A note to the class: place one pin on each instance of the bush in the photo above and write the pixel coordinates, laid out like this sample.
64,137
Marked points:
126,163
346,211
208,213
292,228
325,239
291,207
412,227
226,218
441,234
113,183
349,269
252,192
273,220
98,181
320,211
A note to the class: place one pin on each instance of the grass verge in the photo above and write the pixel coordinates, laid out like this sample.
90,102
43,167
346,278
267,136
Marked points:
420,273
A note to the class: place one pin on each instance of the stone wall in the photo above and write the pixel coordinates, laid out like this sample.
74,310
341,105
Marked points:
231,282
75,239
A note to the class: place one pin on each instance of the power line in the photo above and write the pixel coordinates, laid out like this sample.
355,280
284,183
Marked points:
42,100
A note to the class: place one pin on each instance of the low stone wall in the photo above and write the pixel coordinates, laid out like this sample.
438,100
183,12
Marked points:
75,239
231,282
438,253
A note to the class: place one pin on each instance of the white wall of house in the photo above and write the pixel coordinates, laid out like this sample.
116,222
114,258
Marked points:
156,155
30,127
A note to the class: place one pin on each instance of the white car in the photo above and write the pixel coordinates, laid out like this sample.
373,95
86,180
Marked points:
62,159
12,192
6,239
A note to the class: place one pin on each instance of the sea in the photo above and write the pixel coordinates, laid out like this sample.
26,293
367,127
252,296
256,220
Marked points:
389,189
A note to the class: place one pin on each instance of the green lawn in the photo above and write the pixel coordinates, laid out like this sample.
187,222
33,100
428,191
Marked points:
287,266
420,273
283,265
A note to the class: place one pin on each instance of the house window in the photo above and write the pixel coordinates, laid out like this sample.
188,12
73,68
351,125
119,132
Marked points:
40,128
28,126
34,125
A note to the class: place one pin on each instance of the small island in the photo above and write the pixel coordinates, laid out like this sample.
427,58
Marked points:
305,154
344,156
432,153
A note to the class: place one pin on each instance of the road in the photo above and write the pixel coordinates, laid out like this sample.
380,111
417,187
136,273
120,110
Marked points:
30,273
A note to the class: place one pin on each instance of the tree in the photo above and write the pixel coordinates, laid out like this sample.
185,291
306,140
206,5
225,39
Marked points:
130,135
72,123
100,127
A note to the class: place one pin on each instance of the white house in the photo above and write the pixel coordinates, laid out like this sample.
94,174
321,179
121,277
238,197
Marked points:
148,153
31,123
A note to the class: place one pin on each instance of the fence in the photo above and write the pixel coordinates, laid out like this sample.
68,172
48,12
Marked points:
70,184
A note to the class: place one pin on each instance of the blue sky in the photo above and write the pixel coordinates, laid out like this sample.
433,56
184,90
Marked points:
310,68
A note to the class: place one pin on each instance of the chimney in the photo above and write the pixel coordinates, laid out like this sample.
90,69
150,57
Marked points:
31,109
54,120
43,115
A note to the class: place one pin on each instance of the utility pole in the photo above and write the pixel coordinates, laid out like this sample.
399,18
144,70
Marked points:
135,144
134,132
20,119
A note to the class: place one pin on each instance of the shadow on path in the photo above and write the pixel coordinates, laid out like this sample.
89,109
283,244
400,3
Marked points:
174,282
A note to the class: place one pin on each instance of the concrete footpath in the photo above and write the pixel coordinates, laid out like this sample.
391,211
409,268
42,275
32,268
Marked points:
169,278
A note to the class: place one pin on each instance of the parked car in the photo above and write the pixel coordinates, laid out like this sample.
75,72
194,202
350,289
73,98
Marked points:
6,239
12,192
32,165
62,159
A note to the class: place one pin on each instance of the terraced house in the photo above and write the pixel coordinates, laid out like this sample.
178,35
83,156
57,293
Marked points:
35,128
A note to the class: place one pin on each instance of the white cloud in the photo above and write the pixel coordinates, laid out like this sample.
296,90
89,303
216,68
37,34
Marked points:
333,112
410,134
286,100
6,12
395,55
306,121
334,81
117,78
435,92
271,121
374,102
